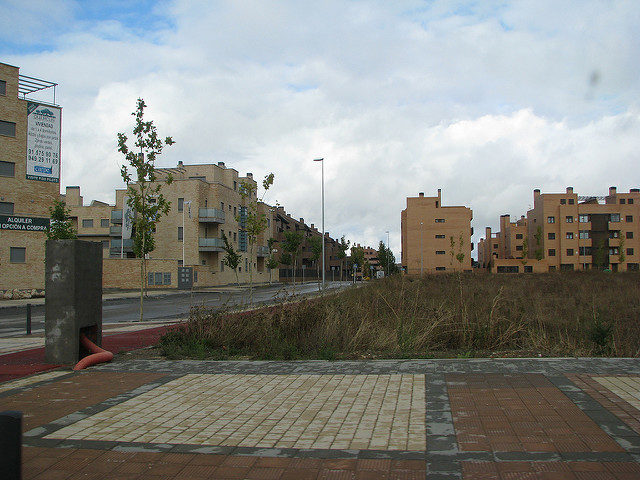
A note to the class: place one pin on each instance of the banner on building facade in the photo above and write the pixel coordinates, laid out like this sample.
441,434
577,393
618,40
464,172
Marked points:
32,224
43,142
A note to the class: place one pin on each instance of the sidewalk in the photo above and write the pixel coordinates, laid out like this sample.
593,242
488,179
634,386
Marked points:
388,419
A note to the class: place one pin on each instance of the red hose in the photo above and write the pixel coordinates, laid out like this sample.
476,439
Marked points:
98,355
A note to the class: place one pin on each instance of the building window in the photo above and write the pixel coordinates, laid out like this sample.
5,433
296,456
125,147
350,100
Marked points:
105,243
3,88
629,251
8,129
6,208
439,220
629,235
569,235
440,236
195,276
495,245
630,201
563,201
222,265
179,263
552,268
633,267
17,254
518,236
7,169
87,223
235,210
585,251
614,217
614,233
440,269
235,185
629,218
551,236
180,204
569,219
571,201
569,252
551,219
235,236
528,269
158,278
180,234
166,278
440,252
585,234
622,201
614,251
584,218
552,252
519,248
104,222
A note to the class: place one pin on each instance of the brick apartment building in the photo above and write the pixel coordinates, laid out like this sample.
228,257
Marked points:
427,228
29,178
508,243
572,232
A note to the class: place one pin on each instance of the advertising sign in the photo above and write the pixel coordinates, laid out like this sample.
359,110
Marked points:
32,224
43,142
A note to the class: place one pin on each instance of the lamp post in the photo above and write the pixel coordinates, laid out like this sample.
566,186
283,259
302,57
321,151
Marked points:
321,160
388,253
421,253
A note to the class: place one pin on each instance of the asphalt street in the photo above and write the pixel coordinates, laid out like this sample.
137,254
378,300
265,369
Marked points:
163,307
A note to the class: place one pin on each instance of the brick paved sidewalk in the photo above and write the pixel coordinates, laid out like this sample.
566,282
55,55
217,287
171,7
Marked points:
436,419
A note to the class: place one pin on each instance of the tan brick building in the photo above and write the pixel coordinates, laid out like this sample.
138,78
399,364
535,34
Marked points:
29,180
92,222
427,230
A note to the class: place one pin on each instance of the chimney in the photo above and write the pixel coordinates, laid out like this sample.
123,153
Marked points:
536,192
221,164
612,190
569,189
249,175
313,226
634,190
301,220
180,164
421,194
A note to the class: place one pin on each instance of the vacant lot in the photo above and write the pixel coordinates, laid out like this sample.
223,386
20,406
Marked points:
563,314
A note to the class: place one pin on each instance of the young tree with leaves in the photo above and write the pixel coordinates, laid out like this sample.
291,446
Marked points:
232,258
343,246
315,245
142,186
291,245
272,261
60,227
539,251
357,257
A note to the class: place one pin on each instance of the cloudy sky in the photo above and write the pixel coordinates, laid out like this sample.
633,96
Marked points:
484,99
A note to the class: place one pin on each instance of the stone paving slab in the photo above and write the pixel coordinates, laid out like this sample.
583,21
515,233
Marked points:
464,419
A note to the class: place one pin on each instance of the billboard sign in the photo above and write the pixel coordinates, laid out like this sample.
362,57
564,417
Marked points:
43,142
31,224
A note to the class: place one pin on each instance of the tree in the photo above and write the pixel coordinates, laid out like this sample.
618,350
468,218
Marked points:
232,258
539,252
387,259
525,251
272,261
255,221
343,246
357,257
621,255
144,192
60,227
291,245
315,244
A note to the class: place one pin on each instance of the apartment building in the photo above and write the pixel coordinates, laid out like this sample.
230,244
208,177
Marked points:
428,229
566,231
29,178
93,221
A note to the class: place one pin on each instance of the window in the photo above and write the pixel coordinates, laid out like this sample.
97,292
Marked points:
195,276
235,236
569,252
104,222
629,218
629,235
235,185
6,208
551,236
585,234
551,219
629,251
614,217
440,252
566,267
180,234
150,279
614,234
584,251
633,267
622,201
179,263
87,223
222,206
180,204
569,235
552,268
440,236
235,210
7,169
166,278
3,88
571,201
203,262
158,278
569,219
528,269
552,252
630,201
563,201
105,243
584,218
222,265
519,247
8,129
518,236
17,254
440,269
614,250
439,220
495,245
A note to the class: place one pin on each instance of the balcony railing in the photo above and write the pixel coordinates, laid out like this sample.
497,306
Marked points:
262,251
116,216
115,230
117,242
211,215
210,244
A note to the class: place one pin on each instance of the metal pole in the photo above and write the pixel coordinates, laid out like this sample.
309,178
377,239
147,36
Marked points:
322,162
388,252
28,319
183,233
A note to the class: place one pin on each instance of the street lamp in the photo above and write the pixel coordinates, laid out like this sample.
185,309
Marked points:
321,160
421,253
388,252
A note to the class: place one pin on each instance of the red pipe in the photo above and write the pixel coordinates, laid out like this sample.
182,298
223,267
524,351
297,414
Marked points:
98,355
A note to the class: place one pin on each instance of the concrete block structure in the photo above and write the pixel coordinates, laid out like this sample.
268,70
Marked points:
29,179
428,229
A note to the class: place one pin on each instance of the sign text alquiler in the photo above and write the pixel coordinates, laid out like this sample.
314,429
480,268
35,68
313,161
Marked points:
32,224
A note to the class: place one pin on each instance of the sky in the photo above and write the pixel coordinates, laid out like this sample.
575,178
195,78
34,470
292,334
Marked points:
486,100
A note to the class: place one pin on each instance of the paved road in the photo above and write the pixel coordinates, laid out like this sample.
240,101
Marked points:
13,320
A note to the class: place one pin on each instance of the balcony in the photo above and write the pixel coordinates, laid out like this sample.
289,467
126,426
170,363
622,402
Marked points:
116,216
115,231
210,244
114,247
262,251
210,215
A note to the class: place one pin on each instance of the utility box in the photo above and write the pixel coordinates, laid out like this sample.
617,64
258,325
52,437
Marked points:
73,298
